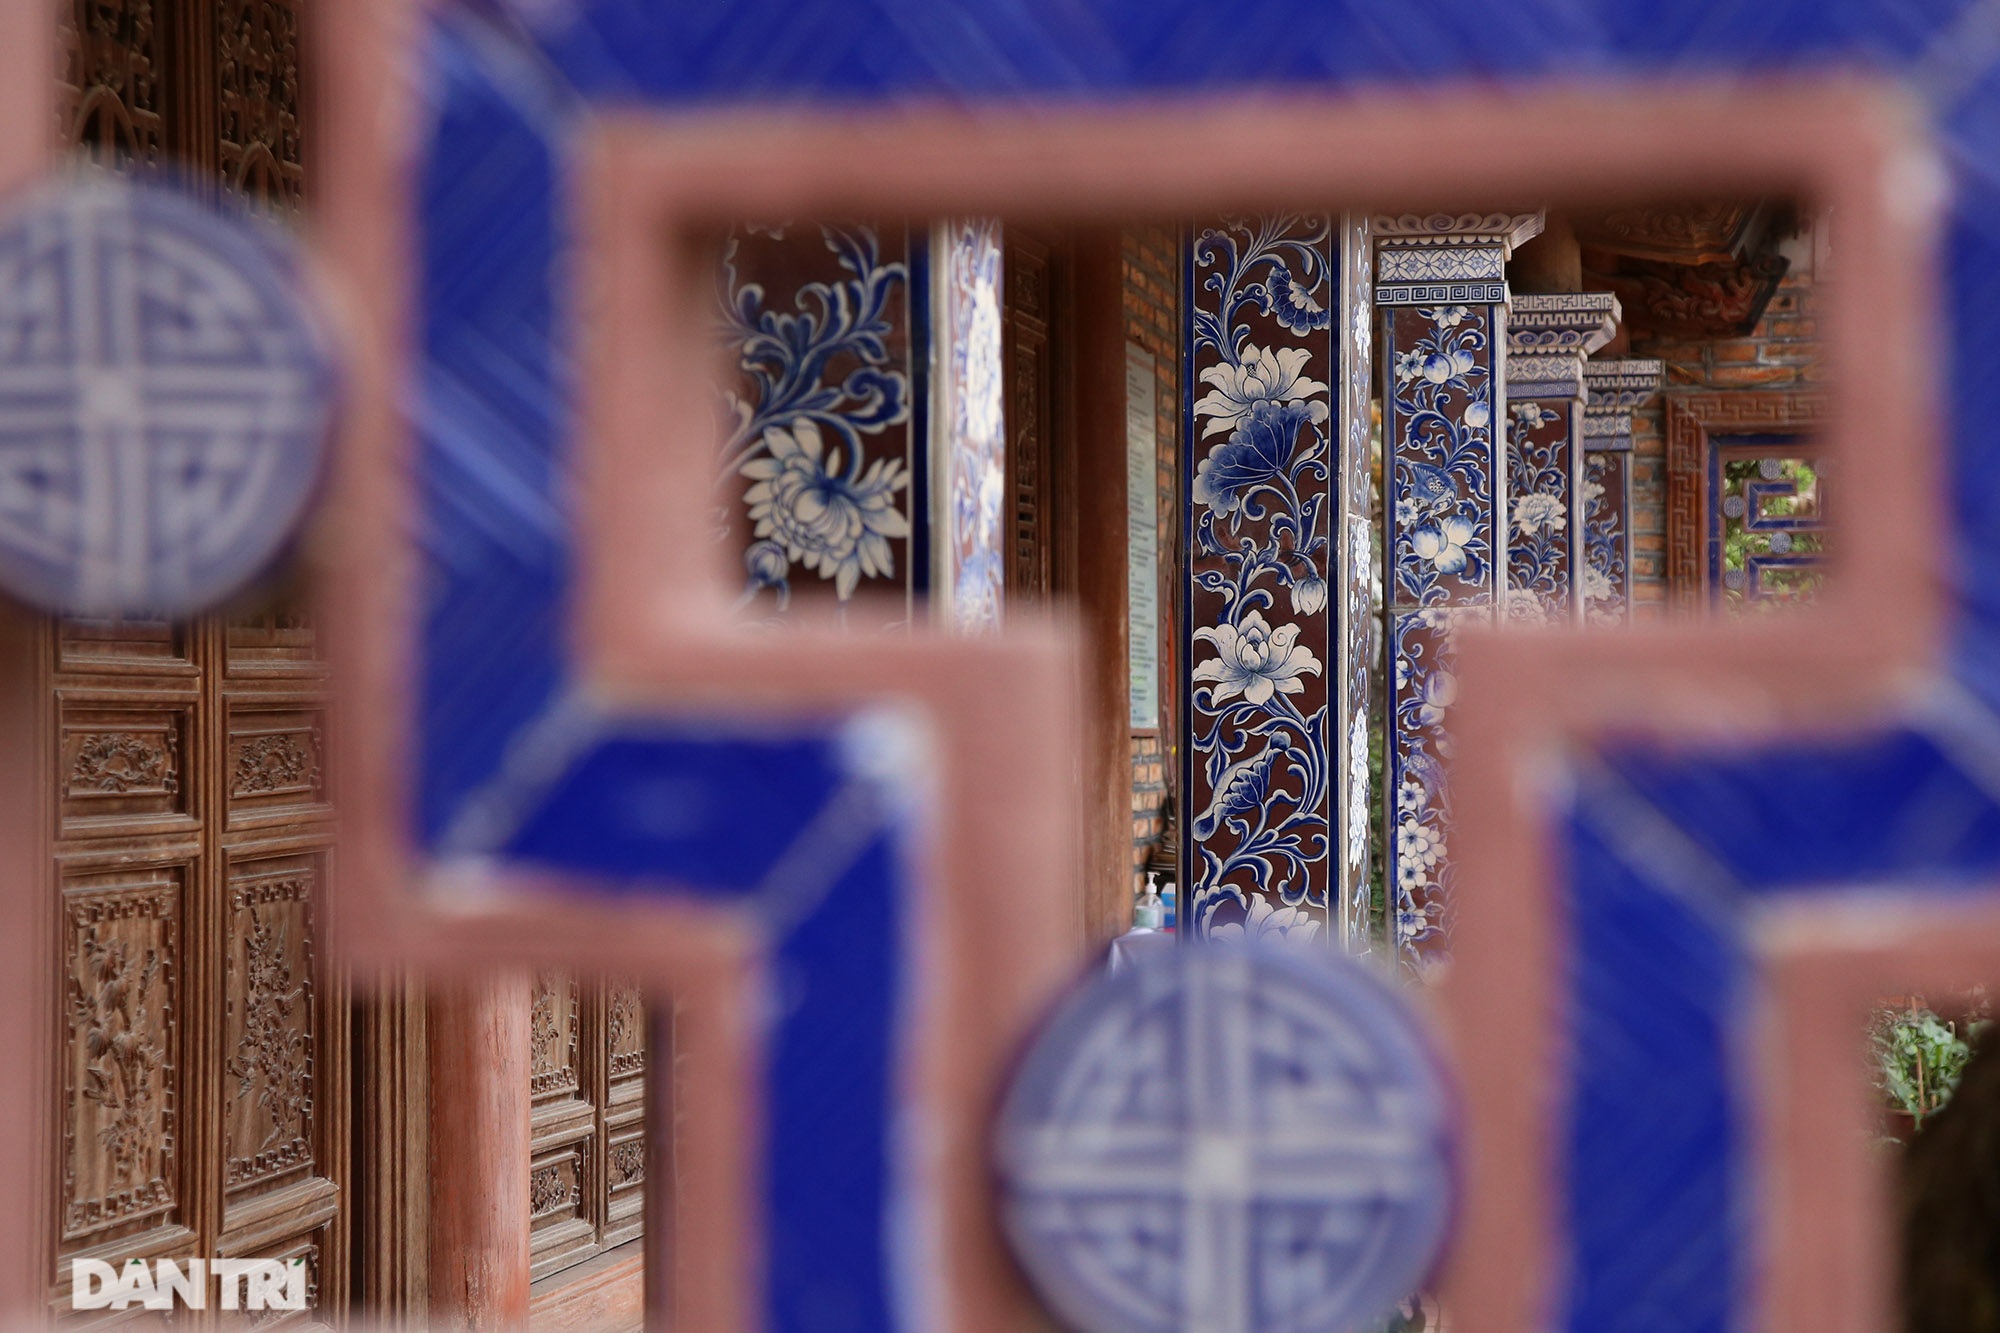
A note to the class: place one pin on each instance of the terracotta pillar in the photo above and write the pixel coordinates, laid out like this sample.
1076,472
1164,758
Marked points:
1548,337
479,1039
1605,510
1440,284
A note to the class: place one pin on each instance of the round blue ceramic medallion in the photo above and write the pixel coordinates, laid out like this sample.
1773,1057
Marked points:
165,398
1225,1139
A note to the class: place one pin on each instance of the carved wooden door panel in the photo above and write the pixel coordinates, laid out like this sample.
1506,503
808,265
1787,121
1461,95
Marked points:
200,1076
1035,274
587,1071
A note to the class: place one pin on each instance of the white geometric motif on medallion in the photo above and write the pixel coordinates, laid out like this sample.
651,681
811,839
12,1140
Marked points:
165,395
1228,1139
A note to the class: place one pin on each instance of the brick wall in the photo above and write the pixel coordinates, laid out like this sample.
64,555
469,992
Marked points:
1153,320
1780,353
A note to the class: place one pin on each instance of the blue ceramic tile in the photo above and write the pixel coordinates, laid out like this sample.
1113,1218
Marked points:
1887,806
1656,1124
489,417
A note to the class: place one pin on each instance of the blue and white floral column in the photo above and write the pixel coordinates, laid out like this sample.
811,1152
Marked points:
1605,508
1548,337
1440,284
1271,476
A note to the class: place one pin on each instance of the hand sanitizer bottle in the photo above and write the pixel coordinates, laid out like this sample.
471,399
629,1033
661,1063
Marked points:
1149,913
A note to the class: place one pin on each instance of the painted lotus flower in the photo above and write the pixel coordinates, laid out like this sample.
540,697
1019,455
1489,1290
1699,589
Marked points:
1444,544
833,521
1597,586
1260,377
1531,414
1447,316
1263,921
1254,660
1537,511
1589,494
1258,451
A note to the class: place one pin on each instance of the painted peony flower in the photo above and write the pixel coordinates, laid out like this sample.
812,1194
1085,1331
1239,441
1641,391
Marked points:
1534,512
838,523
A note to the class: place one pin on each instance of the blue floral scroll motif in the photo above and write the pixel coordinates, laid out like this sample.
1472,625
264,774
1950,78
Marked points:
1260,778
1443,476
816,380
1604,589
1538,537
973,463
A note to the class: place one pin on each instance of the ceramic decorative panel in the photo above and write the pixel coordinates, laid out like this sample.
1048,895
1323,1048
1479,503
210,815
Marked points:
1541,494
1260,767
1605,511
1442,403
821,471
968,425
1548,336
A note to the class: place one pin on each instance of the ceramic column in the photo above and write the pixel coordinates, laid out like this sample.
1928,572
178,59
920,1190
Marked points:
1605,510
1548,337
1270,471
1440,284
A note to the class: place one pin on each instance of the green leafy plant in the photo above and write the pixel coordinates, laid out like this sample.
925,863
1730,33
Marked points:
1920,1057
